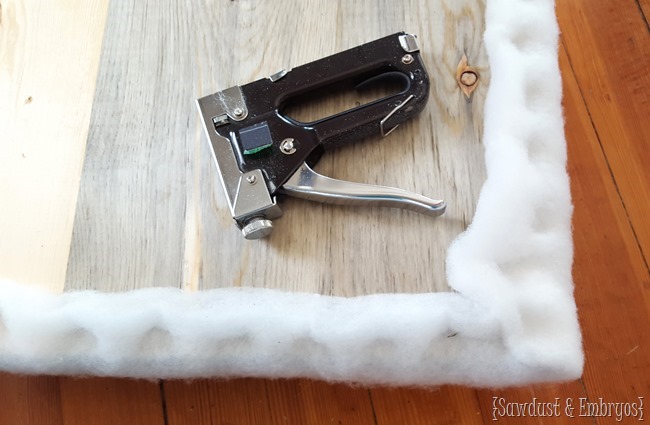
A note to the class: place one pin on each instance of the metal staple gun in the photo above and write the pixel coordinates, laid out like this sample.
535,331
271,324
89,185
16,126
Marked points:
261,152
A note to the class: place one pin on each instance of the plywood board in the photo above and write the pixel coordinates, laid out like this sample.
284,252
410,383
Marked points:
46,97
150,209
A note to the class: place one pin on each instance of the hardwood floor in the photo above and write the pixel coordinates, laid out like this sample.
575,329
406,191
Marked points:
604,59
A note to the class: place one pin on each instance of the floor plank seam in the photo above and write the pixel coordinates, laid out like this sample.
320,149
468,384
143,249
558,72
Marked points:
372,406
163,401
645,18
267,394
609,168
584,389
485,415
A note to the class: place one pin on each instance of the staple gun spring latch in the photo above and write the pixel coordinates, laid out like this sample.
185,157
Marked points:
261,152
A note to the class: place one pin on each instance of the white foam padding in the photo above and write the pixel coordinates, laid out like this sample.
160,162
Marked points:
512,319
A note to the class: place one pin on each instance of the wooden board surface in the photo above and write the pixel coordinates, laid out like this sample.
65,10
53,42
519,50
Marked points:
610,273
46,95
150,210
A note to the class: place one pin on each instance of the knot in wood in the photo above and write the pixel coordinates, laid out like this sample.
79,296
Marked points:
467,77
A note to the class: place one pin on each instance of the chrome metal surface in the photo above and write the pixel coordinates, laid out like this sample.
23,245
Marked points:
226,104
252,200
257,228
275,77
306,183
287,147
221,149
409,43
407,59
245,200
220,120
390,114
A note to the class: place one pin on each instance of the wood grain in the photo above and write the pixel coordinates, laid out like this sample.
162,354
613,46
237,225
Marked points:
644,5
238,401
256,401
29,400
489,399
614,84
301,401
444,405
150,210
611,274
110,401
56,401
46,94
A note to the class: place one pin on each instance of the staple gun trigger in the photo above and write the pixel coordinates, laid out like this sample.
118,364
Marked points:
307,184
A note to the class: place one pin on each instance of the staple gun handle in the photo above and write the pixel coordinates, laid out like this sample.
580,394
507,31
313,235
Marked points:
395,58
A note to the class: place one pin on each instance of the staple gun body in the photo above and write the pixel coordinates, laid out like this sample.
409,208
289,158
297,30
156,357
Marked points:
260,151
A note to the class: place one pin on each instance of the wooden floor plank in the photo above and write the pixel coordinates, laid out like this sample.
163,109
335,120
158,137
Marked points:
607,104
611,278
29,400
256,401
418,406
110,401
199,402
614,84
494,404
302,401
644,5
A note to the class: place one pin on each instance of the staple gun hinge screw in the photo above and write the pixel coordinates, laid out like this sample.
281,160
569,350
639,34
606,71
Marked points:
251,179
287,147
407,59
238,112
